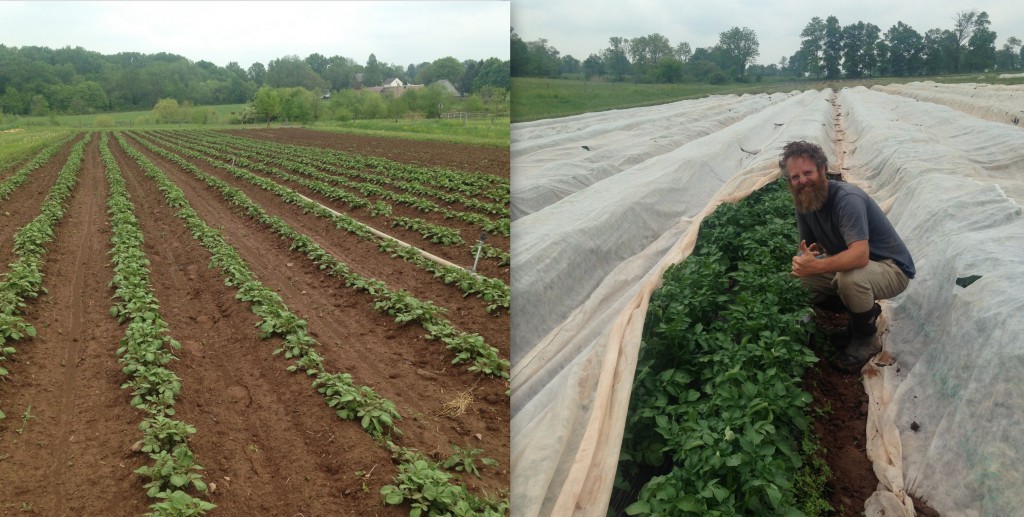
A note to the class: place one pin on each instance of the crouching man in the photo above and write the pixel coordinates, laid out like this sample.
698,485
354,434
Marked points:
849,255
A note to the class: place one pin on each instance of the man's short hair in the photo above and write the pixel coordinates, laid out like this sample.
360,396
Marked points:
806,149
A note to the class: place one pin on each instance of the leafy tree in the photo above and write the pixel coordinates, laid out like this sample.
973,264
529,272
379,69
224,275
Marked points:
291,71
317,62
615,59
267,103
493,72
831,54
167,111
1008,57
683,51
447,68
646,51
981,47
569,65
520,55
963,28
340,73
257,73
811,44
669,70
593,66
740,47
905,47
860,41
372,74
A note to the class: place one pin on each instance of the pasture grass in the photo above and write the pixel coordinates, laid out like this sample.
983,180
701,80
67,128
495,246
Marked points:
18,145
537,98
489,131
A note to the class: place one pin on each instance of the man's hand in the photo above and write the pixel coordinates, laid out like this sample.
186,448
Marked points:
806,264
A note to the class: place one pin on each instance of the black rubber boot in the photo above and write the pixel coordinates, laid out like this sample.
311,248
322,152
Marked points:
864,342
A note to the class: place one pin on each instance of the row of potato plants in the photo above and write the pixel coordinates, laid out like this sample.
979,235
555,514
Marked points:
494,292
144,352
717,409
377,415
21,176
431,232
468,183
283,156
310,161
24,279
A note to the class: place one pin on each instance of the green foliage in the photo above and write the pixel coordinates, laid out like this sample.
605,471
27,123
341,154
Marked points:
464,460
430,491
717,401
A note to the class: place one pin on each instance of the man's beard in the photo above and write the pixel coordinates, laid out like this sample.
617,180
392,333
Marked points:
812,198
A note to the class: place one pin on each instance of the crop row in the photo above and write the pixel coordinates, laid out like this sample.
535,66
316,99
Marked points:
288,157
376,414
717,408
492,291
467,183
144,353
400,304
434,233
24,280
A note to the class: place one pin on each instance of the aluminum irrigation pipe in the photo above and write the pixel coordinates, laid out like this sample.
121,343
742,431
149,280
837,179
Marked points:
383,235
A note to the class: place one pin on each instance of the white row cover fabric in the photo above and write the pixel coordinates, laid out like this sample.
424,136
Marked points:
586,264
995,102
950,411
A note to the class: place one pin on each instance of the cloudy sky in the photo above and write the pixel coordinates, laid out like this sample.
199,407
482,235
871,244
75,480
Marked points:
582,27
396,32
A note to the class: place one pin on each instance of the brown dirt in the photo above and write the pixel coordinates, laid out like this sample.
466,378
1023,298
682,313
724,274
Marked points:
490,160
841,428
265,436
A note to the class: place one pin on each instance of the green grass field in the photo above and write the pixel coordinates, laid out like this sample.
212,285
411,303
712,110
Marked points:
18,145
490,131
487,131
536,99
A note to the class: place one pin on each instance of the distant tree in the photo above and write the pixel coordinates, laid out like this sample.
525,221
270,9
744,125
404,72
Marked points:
472,69
811,45
291,71
267,103
860,41
317,62
740,47
963,28
905,48
569,65
447,68
683,52
167,111
981,47
493,72
645,52
668,70
1007,58
615,60
372,74
593,66
257,72
520,55
831,53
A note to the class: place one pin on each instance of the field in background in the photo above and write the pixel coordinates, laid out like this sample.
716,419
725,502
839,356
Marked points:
536,99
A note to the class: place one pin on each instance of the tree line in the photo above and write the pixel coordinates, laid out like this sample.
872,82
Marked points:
41,81
828,50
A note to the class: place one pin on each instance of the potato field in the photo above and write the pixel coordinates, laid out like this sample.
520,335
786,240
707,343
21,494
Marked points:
265,322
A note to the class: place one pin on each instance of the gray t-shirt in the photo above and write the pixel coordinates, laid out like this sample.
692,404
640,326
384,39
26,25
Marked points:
850,215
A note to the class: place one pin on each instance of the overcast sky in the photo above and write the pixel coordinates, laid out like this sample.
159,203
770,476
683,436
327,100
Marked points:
582,27
396,32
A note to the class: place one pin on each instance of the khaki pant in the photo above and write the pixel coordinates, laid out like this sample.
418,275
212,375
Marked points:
859,288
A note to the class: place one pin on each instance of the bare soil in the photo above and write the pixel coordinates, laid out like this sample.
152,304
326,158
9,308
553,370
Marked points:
264,435
842,404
